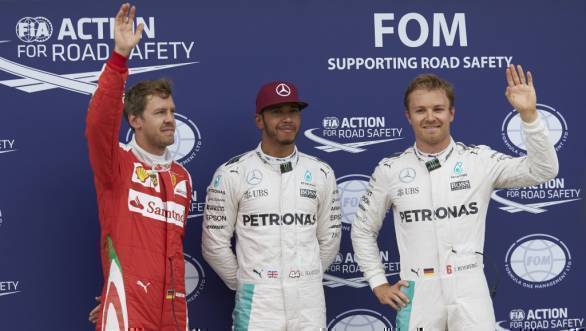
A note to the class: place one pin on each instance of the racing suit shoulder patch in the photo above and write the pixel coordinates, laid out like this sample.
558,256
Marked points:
315,158
479,150
323,166
474,147
186,172
389,160
236,159
398,155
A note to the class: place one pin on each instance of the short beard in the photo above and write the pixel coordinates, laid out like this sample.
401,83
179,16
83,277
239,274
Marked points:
273,134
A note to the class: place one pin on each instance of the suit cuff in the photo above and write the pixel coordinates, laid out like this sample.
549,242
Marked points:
118,62
377,281
536,125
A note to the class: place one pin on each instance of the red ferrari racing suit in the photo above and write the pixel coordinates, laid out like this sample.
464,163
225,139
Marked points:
143,207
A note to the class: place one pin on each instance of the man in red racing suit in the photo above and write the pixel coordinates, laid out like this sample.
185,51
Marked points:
143,200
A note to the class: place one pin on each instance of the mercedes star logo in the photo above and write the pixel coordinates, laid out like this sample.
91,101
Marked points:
407,175
254,177
283,90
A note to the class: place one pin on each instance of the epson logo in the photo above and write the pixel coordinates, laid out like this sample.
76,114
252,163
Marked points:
420,215
276,219
216,218
441,29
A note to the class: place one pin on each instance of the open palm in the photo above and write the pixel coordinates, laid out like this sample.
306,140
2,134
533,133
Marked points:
520,91
124,37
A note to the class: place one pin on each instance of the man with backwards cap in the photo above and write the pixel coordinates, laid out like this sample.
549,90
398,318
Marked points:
283,206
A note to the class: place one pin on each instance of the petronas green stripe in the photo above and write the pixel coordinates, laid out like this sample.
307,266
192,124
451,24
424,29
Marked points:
112,252
243,307
404,314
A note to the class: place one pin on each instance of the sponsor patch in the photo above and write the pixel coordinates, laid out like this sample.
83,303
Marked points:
461,185
307,193
145,177
181,189
155,208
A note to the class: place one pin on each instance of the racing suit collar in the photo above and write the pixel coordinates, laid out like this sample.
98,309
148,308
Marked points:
442,156
275,162
156,162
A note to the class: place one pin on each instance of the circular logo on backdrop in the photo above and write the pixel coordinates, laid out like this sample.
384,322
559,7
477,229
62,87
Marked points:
344,271
31,29
360,320
514,138
351,188
187,139
538,261
195,278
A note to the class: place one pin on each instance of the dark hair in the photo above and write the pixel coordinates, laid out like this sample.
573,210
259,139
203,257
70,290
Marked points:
135,98
429,82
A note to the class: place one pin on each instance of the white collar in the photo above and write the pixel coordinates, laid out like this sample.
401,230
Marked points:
427,156
156,162
275,162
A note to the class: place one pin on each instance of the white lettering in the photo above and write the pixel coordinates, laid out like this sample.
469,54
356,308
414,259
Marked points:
66,30
423,33
80,32
379,29
458,24
100,21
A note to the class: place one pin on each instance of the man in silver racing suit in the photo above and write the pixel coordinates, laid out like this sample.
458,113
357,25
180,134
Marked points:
439,191
283,206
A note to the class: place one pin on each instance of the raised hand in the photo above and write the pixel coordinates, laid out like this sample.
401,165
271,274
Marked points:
521,93
124,38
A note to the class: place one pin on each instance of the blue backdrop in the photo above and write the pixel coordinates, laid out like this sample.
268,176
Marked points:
351,61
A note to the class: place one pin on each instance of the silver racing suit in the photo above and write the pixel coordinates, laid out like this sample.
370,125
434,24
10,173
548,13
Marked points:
287,223
439,212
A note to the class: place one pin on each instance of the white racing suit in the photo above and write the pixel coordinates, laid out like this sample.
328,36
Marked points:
439,217
287,224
